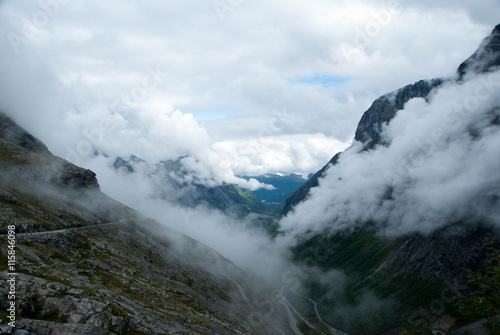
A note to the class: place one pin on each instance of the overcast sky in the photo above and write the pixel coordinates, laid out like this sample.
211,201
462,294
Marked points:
246,86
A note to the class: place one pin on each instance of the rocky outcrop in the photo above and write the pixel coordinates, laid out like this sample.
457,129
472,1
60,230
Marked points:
485,59
78,178
11,132
384,109
27,158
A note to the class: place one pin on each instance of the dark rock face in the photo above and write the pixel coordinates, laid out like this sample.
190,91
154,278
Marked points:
11,132
384,109
381,112
485,59
443,254
77,178
303,191
39,165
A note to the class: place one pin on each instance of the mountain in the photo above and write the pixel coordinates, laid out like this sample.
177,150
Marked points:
403,283
86,264
284,187
174,182
381,112
385,108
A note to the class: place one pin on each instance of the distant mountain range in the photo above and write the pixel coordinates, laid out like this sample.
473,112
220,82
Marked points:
284,187
174,183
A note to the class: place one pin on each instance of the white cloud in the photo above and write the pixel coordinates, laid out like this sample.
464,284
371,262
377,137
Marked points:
286,154
441,167
85,74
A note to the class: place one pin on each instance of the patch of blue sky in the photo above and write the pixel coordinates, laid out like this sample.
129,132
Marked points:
324,80
211,114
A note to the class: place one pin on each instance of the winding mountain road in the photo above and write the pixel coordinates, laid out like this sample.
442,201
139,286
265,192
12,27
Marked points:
288,307
57,231
291,319
332,330
223,272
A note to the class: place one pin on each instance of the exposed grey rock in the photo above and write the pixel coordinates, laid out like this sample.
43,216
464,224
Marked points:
52,328
5,329
90,265
76,177
385,108
445,254
485,59
11,132
76,292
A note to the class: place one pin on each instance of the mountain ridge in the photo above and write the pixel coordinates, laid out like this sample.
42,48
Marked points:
383,109
174,183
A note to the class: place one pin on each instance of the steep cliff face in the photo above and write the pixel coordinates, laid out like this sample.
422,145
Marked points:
485,59
27,157
12,133
383,110
301,193
408,272
87,264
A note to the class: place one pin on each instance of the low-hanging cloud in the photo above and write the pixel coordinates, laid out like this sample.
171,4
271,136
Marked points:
440,167
223,233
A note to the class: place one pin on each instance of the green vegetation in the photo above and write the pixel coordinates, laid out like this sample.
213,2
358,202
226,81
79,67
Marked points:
245,200
484,301
374,298
359,253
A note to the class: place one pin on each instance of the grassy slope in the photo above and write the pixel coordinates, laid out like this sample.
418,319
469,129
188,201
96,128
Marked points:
360,256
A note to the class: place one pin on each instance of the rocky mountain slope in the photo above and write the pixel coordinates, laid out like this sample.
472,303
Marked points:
400,280
87,264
